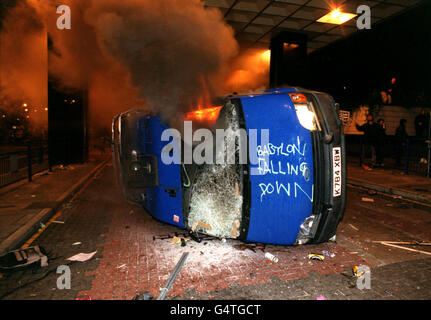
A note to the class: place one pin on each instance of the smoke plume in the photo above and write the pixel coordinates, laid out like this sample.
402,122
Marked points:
165,56
23,65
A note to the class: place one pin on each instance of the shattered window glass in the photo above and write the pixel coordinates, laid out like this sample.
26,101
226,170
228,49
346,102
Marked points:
216,200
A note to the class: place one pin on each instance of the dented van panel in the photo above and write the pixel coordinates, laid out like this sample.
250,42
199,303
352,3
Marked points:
288,187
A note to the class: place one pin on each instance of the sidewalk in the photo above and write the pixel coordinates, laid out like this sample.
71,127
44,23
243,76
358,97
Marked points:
24,206
391,181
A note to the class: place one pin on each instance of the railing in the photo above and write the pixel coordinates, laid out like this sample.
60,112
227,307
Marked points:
418,156
15,166
415,154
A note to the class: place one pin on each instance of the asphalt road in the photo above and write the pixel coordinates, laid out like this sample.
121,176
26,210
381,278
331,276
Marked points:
134,254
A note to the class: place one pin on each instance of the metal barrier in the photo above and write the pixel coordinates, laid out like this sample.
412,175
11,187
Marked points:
414,155
418,156
15,166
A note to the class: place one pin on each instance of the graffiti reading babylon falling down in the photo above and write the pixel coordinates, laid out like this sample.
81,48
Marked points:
289,162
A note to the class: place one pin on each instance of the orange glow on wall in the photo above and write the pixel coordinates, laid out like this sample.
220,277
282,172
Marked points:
267,55
290,46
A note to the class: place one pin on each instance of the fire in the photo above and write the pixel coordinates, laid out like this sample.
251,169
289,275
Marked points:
266,56
207,114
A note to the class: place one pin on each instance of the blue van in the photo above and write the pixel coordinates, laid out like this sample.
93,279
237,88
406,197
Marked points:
289,188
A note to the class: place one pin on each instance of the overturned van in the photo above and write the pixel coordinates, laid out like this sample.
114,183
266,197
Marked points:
276,175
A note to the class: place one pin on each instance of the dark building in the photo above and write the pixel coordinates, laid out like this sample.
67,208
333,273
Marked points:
288,59
67,125
355,69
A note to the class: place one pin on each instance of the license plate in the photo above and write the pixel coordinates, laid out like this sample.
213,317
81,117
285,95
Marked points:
336,171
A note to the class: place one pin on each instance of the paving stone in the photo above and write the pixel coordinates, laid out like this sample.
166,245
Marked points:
221,271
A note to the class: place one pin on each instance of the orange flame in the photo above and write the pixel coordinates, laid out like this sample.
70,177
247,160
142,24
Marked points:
207,114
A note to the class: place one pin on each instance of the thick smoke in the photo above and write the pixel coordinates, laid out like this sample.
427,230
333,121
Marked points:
153,53
165,56
169,48
23,65
246,73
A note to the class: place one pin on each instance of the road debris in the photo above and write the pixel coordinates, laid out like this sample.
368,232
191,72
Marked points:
367,199
353,227
122,266
271,257
67,167
143,296
391,244
22,258
416,243
194,236
76,243
82,257
314,256
328,254
179,240
174,274
356,272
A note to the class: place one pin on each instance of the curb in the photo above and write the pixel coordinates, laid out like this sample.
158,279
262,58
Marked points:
391,191
20,236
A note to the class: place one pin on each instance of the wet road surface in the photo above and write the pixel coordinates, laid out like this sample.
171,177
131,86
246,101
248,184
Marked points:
135,254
